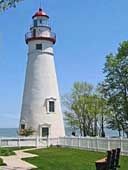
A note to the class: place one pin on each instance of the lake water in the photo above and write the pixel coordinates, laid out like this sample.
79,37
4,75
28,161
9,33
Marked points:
12,132
8,132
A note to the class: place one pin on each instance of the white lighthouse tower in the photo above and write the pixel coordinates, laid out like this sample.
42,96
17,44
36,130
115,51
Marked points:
41,109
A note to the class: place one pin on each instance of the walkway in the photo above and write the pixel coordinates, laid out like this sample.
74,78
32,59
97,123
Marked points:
14,162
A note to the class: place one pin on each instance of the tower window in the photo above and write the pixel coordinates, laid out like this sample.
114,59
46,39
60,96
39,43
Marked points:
40,21
35,23
39,46
22,126
51,106
34,32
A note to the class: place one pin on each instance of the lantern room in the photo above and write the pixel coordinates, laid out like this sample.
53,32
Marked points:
40,18
40,29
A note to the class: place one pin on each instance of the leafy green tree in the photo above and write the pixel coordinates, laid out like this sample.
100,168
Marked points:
71,118
83,108
81,94
116,87
95,110
69,114
5,4
71,121
104,109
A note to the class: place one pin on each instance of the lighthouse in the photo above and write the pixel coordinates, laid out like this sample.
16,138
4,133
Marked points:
41,108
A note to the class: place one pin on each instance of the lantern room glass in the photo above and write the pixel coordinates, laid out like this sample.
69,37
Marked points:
40,21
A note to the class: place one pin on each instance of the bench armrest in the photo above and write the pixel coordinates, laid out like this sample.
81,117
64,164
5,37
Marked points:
101,160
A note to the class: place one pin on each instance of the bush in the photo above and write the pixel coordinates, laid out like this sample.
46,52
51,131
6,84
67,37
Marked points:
26,132
6,152
1,162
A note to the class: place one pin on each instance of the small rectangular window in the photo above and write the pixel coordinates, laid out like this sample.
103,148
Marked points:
39,46
34,32
51,106
35,23
45,132
40,21
22,126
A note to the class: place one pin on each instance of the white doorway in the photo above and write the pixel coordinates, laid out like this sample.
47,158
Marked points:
45,132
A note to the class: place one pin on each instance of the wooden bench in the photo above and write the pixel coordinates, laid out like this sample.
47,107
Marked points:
111,162
117,157
104,164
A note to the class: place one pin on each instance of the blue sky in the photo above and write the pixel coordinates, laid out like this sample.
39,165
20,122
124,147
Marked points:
87,30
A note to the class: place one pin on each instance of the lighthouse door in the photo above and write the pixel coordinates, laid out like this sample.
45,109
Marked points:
45,132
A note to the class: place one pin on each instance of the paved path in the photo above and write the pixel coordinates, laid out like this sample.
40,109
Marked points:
14,162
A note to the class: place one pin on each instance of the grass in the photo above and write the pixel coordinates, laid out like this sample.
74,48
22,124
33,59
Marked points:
69,159
7,151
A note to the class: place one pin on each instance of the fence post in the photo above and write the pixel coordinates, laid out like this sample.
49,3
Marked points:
121,144
59,139
78,142
19,142
63,141
108,143
97,145
47,142
36,142
72,141
88,141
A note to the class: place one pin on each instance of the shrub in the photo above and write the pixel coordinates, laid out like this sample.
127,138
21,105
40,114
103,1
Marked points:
1,162
6,152
26,132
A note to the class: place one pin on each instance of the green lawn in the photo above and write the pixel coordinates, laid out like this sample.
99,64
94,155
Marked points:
69,159
7,151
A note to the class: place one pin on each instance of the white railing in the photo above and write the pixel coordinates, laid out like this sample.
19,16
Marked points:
28,141
95,143
89,143
40,34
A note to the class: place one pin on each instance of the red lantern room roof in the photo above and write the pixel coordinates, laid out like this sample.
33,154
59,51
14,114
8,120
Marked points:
40,13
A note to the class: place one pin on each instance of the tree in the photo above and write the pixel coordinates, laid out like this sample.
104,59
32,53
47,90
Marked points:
71,121
104,109
70,116
95,110
5,4
116,87
81,95
82,108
